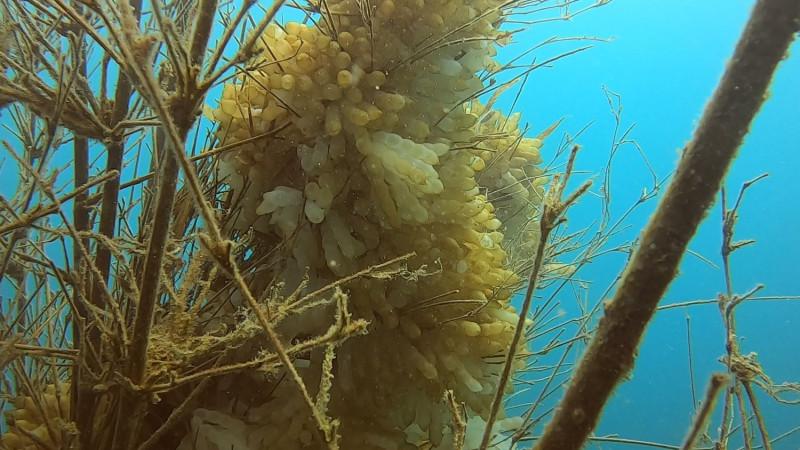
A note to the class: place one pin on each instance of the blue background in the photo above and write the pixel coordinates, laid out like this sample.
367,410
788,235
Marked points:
665,60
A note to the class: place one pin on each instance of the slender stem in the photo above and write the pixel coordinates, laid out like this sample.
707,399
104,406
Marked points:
133,406
743,414
730,324
80,217
512,350
717,383
115,150
691,362
80,317
748,388
323,423
206,12
127,427
728,302
177,117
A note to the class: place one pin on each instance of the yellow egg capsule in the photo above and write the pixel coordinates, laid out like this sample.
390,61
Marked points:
322,41
376,79
482,216
331,92
434,20
9,439
491,329
306,63
467,120
390,119
361,46
342,60
354,95
346,39
304,83
357,116
477,163
360,32
389,102
275,81
307,34
315,108
493,224
480,267
230,108
293,28
418,129
322,76
386,9
344,78
273,31
287,82
282,49
503,294
364,146
372,111
294,41
470,328
333,123
338,147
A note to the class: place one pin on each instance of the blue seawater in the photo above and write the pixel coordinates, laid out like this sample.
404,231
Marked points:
664,61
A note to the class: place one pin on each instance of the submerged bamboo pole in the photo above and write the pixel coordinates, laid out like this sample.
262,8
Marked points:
705,160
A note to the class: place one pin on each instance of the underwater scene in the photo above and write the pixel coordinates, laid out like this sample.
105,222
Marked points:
399,224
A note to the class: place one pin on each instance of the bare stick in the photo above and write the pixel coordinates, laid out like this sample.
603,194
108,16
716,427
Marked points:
748,388
717,383
610,355
691,364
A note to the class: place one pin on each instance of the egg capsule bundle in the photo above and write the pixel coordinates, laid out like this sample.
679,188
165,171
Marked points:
381,154
41,420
